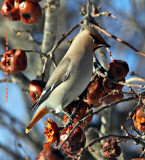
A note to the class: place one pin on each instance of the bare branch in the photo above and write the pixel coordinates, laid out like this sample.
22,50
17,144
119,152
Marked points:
118,39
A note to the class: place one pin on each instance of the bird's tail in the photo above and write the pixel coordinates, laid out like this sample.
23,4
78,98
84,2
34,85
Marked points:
38,115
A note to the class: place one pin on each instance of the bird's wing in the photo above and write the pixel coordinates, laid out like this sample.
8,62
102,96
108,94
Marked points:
60,74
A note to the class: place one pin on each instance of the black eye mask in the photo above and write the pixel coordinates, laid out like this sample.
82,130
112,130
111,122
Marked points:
95,40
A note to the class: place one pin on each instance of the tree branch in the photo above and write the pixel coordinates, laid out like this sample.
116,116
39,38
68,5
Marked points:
119,40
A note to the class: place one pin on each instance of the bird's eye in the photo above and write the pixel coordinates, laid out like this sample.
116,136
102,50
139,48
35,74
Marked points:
95,40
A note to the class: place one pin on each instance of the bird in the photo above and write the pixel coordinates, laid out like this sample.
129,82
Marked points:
72,75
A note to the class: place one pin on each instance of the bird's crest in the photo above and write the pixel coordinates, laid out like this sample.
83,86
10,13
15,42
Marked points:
93,32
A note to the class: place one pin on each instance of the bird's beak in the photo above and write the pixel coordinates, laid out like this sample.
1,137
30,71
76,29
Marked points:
41,113
104,45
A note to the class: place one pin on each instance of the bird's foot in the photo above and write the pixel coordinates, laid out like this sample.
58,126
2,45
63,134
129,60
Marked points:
70,121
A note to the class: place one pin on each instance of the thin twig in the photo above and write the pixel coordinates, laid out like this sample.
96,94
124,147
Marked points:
108,50
29,33
88,8
125,130
27,157
70,133
106,13
122,83
40,53
118,39
135,79
131,137
5,80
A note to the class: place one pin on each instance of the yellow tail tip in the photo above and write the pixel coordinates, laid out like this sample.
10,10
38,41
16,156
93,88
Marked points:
27,130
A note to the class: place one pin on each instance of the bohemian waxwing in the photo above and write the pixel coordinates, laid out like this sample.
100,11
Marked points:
72,75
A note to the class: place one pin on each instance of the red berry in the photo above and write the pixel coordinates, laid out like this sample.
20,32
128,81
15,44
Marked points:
85,110
10,10
111,148
49,154
14,61
30,13
35,89
75,142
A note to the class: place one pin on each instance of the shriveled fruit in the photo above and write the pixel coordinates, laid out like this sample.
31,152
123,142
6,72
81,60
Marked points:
10,10
51,132
14,61
49,153
75,142
95,92
139,119
118,69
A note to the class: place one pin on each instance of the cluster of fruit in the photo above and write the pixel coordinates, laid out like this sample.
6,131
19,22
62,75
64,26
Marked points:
117,71
78,137
28,11
110,150
53,133
15,61
102,89
75,142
